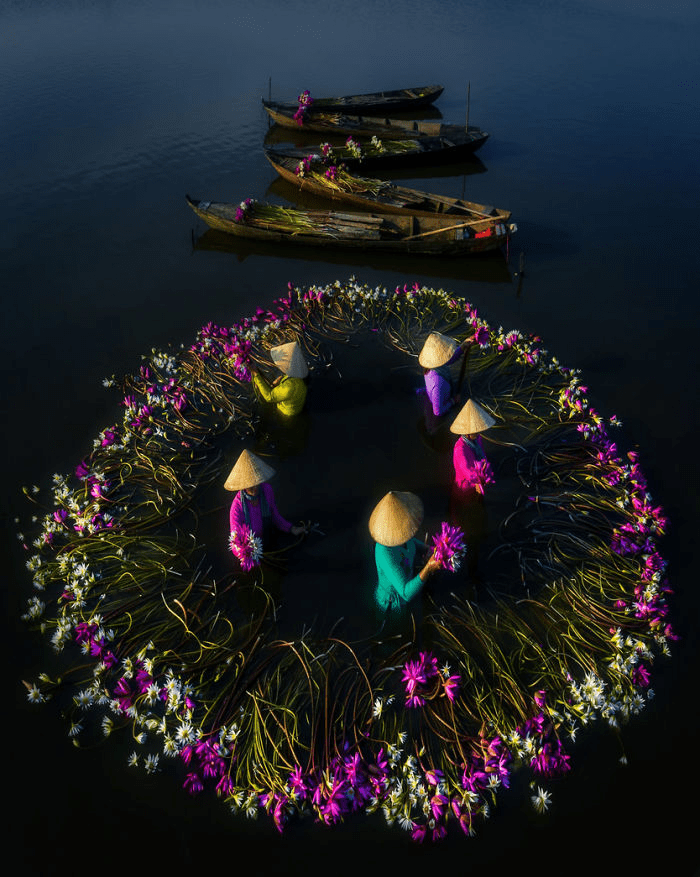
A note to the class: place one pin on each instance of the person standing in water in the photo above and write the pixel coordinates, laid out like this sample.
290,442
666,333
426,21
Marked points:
436,357
472,473
288,391
254,503
393,525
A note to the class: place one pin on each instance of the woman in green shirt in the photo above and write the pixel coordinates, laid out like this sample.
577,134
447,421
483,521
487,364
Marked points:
393,525
288,391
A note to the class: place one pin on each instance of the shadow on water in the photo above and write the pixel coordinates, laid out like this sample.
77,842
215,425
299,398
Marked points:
488,267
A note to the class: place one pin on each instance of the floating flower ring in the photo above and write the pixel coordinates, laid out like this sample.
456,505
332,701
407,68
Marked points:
311,725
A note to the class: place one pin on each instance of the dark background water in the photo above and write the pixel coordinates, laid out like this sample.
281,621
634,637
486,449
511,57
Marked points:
110,112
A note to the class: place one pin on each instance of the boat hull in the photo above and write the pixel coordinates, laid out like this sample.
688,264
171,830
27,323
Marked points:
386,196
376,102
407,234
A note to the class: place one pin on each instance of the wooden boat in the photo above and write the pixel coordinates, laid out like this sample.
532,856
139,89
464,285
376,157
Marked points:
376,102
395,153
379,195
341,124
445,235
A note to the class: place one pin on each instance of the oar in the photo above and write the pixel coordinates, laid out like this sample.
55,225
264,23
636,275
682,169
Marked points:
424,234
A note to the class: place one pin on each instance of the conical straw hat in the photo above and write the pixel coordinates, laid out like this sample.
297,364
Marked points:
248,471
471,419
289,359
437,350
396,518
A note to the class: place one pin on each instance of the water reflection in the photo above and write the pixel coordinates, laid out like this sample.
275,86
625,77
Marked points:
490,267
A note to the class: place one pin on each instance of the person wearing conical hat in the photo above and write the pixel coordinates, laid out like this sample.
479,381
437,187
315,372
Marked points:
468,452
254,502
393,525
436,357
472,472
288,391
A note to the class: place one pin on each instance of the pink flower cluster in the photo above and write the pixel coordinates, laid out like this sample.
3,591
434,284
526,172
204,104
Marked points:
305,101
424,681
212,761
487,764
449,547
347,785
550,759
246,546
87,632
304,165
220,342
483,474
243,209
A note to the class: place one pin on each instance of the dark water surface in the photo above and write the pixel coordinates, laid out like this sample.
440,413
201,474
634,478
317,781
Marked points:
110,112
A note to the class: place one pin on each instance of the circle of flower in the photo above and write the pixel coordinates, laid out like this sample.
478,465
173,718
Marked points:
426,738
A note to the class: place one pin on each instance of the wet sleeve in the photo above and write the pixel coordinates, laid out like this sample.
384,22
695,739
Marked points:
236,518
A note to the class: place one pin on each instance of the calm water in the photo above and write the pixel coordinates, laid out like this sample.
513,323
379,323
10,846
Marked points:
110,112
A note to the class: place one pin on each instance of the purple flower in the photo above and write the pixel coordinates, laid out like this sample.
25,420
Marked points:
225,786
246,546
82,470
640,676
414,675
193,784
451,687
449,547
297,783
434,777
418,833
481,336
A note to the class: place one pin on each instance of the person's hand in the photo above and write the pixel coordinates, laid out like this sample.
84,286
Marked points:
431,566
297,530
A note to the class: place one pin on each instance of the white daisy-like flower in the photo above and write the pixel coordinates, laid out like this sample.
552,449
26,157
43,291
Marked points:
34,695
541,800
151,763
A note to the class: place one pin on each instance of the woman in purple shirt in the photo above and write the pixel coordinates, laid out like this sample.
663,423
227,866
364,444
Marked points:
436,357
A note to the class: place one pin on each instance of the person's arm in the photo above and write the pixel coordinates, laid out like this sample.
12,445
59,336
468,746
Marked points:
262,386
407,588
236,518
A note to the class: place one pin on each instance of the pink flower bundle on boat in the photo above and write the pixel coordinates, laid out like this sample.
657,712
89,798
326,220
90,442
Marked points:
449,547
246,546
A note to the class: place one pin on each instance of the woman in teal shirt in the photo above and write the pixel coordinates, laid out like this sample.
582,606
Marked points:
393,525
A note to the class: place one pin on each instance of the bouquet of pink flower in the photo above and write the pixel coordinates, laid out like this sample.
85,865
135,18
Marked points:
449,547
246,546
243,209
424,681
484,474
305,101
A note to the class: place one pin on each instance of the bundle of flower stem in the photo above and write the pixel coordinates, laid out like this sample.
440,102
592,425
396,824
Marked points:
150,642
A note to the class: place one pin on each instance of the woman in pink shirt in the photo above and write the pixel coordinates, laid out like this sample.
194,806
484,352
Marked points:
472,474
254,502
